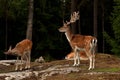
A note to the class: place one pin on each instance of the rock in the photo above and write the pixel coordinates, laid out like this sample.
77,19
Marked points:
40,60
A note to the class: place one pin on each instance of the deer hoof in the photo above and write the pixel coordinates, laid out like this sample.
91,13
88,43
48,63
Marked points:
77,64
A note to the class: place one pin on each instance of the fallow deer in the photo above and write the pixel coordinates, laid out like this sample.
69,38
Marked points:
80,42
82,56
23,50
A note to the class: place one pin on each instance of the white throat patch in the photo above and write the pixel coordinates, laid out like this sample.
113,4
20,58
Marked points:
67,37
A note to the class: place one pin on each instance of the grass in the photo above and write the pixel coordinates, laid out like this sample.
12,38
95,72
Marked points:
107,70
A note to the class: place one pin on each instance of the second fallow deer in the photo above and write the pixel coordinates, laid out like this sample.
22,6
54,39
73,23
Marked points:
23,50
80,42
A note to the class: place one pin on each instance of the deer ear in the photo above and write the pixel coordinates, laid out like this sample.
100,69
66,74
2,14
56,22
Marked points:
10,48
7,52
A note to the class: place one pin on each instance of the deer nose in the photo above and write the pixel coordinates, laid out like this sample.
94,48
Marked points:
5,52
59,30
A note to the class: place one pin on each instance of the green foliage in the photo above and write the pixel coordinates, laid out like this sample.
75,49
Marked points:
114,41
47,21
48,17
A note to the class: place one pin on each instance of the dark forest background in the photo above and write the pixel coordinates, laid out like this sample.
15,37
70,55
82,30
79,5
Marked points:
98,18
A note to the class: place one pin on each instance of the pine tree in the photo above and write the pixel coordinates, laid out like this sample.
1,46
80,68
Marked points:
114,41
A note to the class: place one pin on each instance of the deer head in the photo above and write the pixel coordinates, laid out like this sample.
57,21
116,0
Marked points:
66,26
11,51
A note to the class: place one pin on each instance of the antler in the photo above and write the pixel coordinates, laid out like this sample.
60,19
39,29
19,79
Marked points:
74,18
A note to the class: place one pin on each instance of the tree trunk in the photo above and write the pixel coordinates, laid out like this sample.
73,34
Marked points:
6,26
30,20
80,3
102,4
95,17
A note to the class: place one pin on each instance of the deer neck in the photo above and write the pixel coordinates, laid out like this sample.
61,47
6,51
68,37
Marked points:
69,35
15,52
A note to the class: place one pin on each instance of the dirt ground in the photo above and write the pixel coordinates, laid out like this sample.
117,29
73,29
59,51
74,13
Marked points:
107,67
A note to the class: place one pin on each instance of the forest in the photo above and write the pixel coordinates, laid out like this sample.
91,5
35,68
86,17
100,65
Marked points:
99,18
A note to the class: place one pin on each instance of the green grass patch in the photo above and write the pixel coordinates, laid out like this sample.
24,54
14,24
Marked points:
107,70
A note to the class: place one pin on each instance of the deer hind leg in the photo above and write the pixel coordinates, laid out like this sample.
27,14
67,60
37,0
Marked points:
21,63
91,63
88,53
29,56
93,50
93,57
28,60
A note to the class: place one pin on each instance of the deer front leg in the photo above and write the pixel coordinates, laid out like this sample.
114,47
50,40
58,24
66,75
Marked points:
76,57
75,60
16,63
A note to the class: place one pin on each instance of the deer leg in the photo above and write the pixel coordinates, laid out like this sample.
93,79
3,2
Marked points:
28,59
21,63
78,58
90,64
16,67
75,60
93,48
93,56
93,62
90,59
27,62
29,56
75,57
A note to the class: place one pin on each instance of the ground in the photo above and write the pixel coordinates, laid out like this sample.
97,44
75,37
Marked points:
107,68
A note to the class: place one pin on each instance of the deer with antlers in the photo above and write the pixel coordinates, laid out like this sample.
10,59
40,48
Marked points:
80,42
23,50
